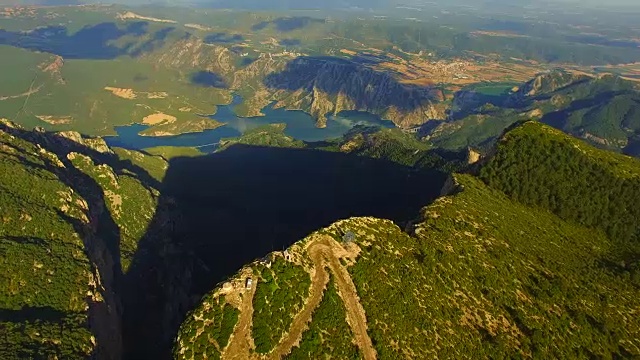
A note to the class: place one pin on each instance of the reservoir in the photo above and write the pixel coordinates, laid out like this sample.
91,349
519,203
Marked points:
299,125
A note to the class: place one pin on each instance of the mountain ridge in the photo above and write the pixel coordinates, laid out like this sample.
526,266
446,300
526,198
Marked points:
599,109
472,224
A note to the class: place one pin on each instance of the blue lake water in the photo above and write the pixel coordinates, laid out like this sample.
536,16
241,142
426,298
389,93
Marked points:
300,125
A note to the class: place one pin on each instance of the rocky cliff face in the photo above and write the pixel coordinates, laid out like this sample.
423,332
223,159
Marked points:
248,82
325,85
550,82
319,85
88,208
193,53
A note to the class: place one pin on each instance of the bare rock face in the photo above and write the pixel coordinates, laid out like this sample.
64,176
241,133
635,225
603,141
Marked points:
473,156
193,53
317,85
97,144
324,85
54,69
9,123
450,187
549,82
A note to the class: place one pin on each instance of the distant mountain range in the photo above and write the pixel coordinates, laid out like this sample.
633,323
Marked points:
604,110
307,4
225,4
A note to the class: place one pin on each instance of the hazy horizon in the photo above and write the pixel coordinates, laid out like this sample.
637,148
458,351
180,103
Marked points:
310,4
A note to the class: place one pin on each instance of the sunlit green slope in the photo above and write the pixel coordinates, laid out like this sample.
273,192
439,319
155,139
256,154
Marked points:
478,273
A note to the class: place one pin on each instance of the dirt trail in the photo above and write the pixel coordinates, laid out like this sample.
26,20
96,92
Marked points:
355,312
324,253
302,319
241,343
29,92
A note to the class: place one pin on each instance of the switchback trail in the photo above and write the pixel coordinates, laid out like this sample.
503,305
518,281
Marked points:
325,253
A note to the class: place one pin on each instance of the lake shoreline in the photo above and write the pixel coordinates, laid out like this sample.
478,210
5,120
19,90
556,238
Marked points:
298,125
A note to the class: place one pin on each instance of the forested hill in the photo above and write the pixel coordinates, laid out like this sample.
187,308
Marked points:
603,110
479,272
540,166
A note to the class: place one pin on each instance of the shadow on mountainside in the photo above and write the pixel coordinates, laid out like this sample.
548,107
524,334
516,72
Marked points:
221,211
366,87
287,24
633,148
101,235
33,313
90,42
223,38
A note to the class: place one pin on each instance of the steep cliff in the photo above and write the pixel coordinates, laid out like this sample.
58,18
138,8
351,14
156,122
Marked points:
478,272
550,82
326,85
72,214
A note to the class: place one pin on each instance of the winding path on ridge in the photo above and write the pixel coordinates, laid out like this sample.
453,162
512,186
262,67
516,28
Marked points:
325,253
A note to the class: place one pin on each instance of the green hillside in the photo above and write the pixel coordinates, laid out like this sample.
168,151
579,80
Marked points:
72,213
602,110
269,135
538,165
536,256
479,272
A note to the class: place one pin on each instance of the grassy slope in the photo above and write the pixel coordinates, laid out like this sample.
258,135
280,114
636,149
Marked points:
217,319
169,152
488,276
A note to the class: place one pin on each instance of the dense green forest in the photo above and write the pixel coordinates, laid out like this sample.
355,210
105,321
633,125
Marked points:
204,336
45,273
538,165
533,161
488,276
